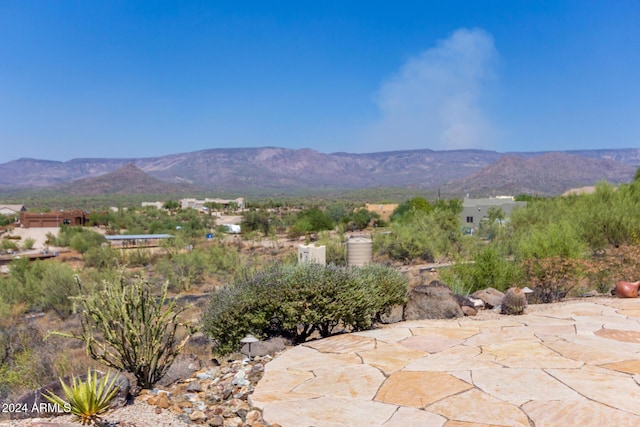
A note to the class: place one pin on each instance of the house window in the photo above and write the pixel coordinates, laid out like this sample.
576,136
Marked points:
469,220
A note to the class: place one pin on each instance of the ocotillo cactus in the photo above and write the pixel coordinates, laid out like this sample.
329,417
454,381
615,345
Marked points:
514,301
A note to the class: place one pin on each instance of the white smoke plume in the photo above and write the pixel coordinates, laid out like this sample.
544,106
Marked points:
434,100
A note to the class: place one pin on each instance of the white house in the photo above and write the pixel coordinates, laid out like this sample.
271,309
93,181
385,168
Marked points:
475,210
199,204
12,209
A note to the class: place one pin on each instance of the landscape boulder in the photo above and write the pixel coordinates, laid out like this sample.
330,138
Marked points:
467,306
263,348
491,297
433,301
394,315
182,368
469,311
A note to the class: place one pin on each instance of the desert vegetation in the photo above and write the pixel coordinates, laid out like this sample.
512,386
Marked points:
252,283
297,300
560,246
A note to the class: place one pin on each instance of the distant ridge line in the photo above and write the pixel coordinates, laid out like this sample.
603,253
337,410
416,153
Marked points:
280,170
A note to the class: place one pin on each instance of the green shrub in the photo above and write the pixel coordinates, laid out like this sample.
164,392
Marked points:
488,269
457,284
25,362
223,260
309,221
572,226
336,251
387,285
5,308
40,285
360,219
184,270
102,257
421,236
21,374
556,239
411,207
139,257
28,243
5,220
51,239
58,288
80,239
298,300
256,220
7,245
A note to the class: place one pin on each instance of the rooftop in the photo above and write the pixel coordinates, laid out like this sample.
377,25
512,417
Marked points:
138,236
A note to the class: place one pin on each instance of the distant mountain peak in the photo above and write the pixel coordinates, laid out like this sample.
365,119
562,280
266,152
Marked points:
129,169
128,179
547,174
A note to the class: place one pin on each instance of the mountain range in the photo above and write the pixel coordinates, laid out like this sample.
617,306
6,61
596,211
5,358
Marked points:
272,170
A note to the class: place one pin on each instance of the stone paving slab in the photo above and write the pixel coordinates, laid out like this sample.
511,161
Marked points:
454,359
570,364
506,385
390,358
355,381
388,335
577,413
329,412
419,389
410,417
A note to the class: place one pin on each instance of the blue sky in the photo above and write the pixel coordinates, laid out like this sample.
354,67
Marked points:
148,78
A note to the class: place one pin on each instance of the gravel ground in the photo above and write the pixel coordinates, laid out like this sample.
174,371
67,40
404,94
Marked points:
38,234
138,414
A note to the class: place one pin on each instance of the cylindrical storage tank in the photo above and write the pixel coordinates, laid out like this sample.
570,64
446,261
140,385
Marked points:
359,251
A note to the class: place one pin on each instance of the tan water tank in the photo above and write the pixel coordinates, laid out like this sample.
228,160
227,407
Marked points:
359,251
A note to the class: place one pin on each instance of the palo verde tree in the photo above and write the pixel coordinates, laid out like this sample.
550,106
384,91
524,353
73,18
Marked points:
311,220
411,207
256,220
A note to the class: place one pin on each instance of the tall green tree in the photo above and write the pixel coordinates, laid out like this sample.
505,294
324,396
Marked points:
312,220
411,207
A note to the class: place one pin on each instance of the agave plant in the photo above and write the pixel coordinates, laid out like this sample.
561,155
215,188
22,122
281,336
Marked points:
87,399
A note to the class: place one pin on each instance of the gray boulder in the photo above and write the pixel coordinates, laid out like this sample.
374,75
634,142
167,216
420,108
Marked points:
183,367
491,297
393,315
263,348
432,301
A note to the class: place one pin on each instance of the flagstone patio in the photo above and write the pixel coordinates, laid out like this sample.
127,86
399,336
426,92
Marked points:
570,364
